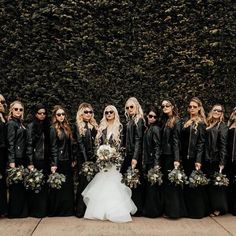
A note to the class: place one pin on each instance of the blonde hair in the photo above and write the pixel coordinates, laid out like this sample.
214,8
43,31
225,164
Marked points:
116,126
200,118
79,118
12,106
211,121
61,125
139,111
232,118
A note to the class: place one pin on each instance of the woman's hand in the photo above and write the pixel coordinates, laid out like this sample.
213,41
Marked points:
12,165
73,164
133,163
198,166
30,167
176,164
53,169
221,167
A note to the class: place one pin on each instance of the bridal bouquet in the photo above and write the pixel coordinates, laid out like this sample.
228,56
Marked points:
197,178
34,180
55,180
15,175
131,178
218,179
178,177
108,156
155,176
89,169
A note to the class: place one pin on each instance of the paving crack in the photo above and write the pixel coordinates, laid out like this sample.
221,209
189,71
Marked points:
217,222
36,226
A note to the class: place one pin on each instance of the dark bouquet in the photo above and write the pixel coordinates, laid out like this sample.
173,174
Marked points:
15,175
131,178
178,177
89,169
34,180
108,156
197,178
55,180
155,176
218,179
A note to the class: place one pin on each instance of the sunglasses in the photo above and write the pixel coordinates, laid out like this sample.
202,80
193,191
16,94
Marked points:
192,107
41,113
88,112
18,109
60,114
217,110
131,107
109,112
151,116
3,102
166,105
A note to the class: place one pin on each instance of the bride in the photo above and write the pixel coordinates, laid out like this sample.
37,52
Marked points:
105,196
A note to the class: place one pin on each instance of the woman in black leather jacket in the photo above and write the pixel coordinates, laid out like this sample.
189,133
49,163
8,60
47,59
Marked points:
16,143
193,135
134,141
3,157
153,200
174,205
231,163
84,133
61,201
215,159
37,154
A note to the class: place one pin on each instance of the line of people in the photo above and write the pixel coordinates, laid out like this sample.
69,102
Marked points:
149,140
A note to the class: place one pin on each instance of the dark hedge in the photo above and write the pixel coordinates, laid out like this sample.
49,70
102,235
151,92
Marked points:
104,51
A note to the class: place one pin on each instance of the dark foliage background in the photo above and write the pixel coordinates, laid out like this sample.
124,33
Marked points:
104,51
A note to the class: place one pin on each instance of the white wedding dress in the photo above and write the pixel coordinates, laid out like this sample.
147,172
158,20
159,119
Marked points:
107,198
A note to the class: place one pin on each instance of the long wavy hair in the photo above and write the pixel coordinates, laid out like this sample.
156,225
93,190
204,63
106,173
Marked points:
211,121
80,121
59,126
116,126
3,111
232,118
200,118
139,111
12,106
169,121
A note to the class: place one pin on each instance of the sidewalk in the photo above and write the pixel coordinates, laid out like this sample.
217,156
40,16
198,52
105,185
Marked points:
68,226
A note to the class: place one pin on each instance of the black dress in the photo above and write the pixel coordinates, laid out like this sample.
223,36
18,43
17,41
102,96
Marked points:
3,162
134,141
174,205
192,151
153,197
16,141
61,202
84,151
216,153
37,153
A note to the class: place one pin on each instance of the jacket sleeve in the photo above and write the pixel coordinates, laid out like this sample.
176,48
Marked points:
200,142
29,145
138,140
11,138
223,136
53,147
176,140
157,145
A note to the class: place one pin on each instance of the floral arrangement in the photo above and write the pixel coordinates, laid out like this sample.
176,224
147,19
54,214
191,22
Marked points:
108,156
55,180
34,180
155,176
89,169
131,178
178,177
197,178
15,175
218,179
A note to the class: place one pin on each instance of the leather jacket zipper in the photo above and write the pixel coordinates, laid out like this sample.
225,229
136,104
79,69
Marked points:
189,142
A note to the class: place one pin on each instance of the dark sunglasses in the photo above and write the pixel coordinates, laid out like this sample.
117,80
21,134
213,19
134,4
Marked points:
41,113
166,105
194,107
131,107
3,102
151,116
217,110
60,114
88,112
109,112
18,109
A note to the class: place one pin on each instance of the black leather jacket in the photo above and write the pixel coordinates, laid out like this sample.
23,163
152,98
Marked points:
170,144
152,146
193,142
3,134
61,147
134,139
232,144
216,143
16,140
